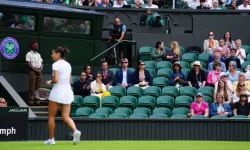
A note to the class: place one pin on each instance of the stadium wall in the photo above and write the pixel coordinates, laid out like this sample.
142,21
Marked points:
147,129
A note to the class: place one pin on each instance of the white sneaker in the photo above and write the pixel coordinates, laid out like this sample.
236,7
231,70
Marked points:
77,135
50,142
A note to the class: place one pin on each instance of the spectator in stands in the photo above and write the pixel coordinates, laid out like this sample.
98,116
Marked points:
202,5
233,58
177,78
89,3
222,88
159,3
241,87
144,17
216,59
219,107
213,76
137,4
193,4
196,76
229,42
215,5
97,87
199,106
247,74
35,65
242,107
87,70
104,3
223,49
241,53
108,77
158,52
3,103
141,76
232,5
151,5
174,53
211,57
82,87
233,73
209,3
224,77
210,44
119,3
242,79
244,6
124,77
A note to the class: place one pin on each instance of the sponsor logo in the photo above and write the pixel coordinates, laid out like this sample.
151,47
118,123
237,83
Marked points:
17,110
9,48
8,132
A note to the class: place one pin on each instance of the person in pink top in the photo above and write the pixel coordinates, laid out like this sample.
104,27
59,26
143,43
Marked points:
199,107
213,76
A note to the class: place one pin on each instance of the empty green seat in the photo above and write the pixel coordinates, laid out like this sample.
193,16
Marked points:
138,116
185,71
147,102
84,111
135,91
164,72
158,116
248,57
244,64
123,110
117,91
163,111
203,64
150,64
145,53
182,49
77,103
166,48
117,116
188,91
170,91
198,117
98,116
165,101
208,100
104,110
110,101
151,72
184,64
142,110
128,101
74,79
178,116
164,64
203,57
160,82
238,69
189,57
180,111
219,117
114,70
206,90
92,102
152,91
239,117
246,48
183,101
78,100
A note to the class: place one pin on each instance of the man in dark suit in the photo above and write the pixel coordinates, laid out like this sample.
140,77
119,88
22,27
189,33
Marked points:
124,77
107,75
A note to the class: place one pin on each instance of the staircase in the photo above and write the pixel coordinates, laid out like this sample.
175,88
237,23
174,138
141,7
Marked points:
40,111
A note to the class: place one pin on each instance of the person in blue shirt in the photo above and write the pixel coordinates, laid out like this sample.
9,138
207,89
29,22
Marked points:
124,77
104,3
177,78
216,59
219,107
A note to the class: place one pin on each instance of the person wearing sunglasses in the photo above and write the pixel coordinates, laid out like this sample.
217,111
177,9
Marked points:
244,5
142,77
242,107
124,77
241,87
210,44
232,72
241,79
97,87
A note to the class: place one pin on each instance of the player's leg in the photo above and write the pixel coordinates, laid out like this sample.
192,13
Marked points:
70,122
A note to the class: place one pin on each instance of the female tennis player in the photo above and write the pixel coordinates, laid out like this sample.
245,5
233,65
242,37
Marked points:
61,94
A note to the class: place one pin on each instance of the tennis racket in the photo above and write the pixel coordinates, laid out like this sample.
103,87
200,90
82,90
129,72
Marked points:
42,94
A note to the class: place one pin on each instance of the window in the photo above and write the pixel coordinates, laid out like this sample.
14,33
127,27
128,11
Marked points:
64,25
17,21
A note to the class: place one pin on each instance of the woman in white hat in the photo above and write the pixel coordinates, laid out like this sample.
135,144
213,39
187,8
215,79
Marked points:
196,76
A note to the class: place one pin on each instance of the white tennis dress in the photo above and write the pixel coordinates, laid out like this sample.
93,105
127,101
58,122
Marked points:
61,91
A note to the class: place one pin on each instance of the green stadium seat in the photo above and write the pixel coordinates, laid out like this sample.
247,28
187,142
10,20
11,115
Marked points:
131,69
239,117
203,64
162,111
123,110
72,88
188,91
182,49
198,117
152,91
117,91
145,53
110,101
178,116
142,110
158,116
98,116
208,100
244,64
184,64
206,91
180,111
183,101
92,102
203,57
128,101
160,82
147,102
189,57
135,91
166,48
238,69
246,48
114,70
248,57
84,111
219,117
165,101
74,79
78,100
150,64
104,110
151,72
170,91
185,71
117,116
73,108
164,72
164,64
138,116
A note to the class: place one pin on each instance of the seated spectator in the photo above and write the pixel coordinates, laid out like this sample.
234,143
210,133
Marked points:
108,76
97,87
159,3
247,74
244,6
82,87
241,53
210,44
119,3
104,3
142,77
193,4
229,42
223,49
232,5
209,3
223,89
232,72
213,76
3,103
151,5
158,52
89,3
138,5
199,107
202,5
236,94
173,54
241,79
177,78
224,76
124,77
219,107
215,5
211,58
242,107
87,70
144,17
233,58
216,59
196,76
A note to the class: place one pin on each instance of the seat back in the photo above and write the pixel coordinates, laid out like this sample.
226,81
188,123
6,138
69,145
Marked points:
150,64
98,116
165,101
104,110
137,116
123,110
188,90
184,64
118,91
134,91
128,101
164,72
163,111
114,70
170,91
206,90
160,82
110,102
203,57
151,72
74,79
142,110
183,101
152,91
117,116
180,111
164,64
189,57
84,111
92,102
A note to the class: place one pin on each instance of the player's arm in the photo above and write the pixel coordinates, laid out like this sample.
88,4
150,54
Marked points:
55,78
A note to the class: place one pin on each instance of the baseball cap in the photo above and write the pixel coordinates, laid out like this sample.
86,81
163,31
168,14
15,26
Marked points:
223,74
199,94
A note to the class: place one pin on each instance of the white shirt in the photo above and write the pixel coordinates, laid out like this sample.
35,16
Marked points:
119,5
247,75
242,7
64,69
34,58
243,52
152,6
209,3
193,4
236,98
94,87
124,77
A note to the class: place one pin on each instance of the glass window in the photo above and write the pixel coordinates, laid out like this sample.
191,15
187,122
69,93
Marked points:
17,21
65,25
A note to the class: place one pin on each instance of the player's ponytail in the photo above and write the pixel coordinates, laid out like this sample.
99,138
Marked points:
62,50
